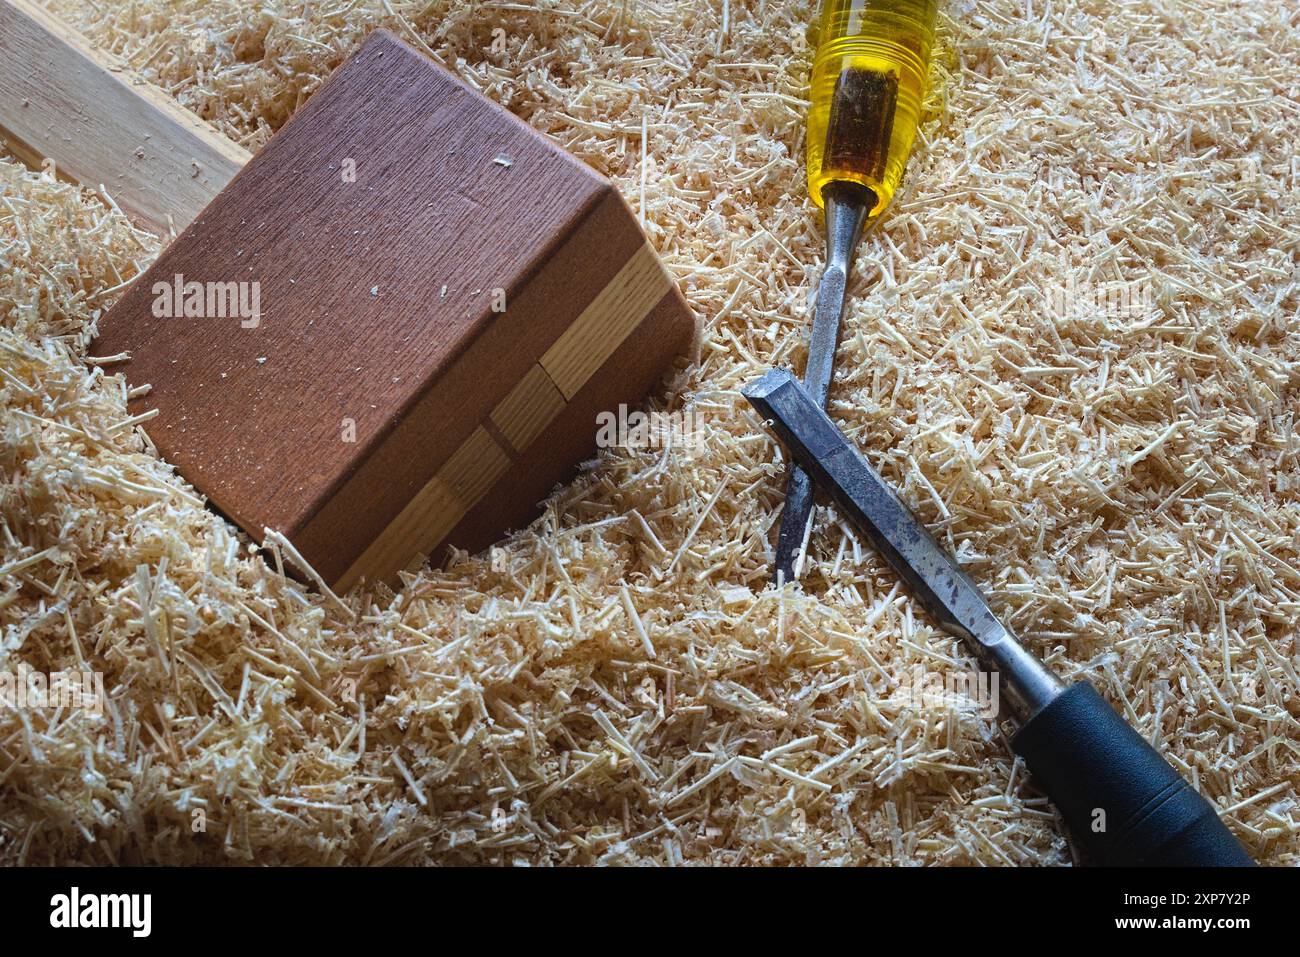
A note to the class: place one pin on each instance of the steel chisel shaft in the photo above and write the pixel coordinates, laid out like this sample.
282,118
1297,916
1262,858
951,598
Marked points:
1123,801
954,601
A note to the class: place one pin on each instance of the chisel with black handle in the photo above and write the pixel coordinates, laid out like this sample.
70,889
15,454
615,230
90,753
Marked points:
1123,801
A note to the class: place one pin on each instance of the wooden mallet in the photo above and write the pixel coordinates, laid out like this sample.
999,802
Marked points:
391,330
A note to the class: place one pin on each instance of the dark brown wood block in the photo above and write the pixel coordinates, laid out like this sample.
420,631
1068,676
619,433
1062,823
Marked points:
426,305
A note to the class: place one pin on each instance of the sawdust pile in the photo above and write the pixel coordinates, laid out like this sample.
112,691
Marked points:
1072,344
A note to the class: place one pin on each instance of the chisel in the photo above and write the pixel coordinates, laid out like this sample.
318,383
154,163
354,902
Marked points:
1124,802
868,81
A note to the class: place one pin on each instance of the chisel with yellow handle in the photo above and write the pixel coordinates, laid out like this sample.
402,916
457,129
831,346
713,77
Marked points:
868,81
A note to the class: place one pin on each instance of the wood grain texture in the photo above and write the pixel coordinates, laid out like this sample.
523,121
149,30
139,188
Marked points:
436,509
431,515
517,421
101,124
380,353
633,370
474,468
606,322
528,409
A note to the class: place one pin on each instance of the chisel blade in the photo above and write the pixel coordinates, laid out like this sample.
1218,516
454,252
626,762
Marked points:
868,502
847,205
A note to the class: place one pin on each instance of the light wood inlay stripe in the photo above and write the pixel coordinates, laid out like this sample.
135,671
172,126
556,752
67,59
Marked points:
603,325
429,516
528,409
474,467
521,417
434,511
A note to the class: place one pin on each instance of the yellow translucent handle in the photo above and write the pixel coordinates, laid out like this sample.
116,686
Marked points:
868,81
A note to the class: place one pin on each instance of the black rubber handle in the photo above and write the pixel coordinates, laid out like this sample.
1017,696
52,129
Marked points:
1118,795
